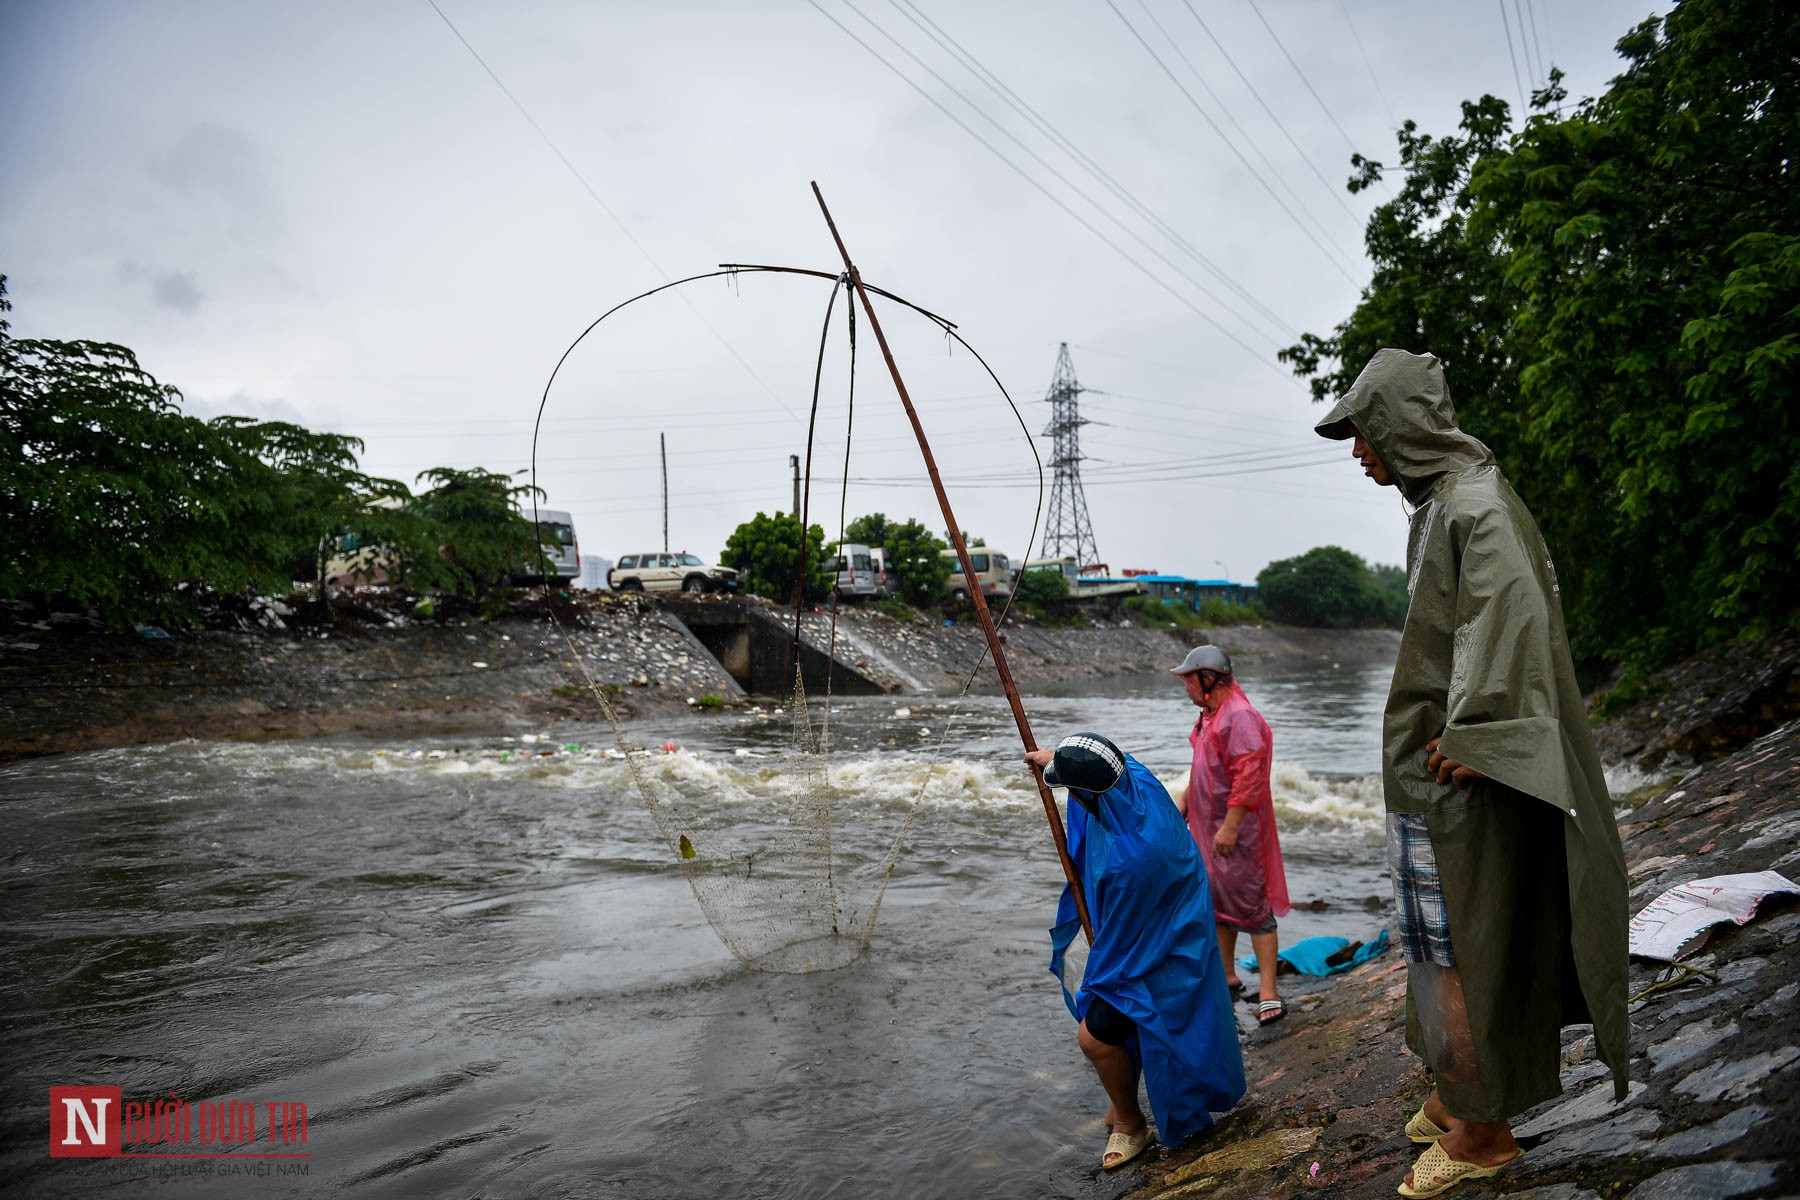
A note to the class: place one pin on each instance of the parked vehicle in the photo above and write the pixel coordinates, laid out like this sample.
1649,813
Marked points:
562,552
356,563
858,572
680,572
993,573
1085,583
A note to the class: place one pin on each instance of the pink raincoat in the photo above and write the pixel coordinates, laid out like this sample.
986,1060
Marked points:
1233,750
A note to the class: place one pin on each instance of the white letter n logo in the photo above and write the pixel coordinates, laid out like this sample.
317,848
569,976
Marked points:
94,1125
84,1122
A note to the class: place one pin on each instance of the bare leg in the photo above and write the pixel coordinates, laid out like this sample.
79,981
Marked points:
1120,1079
1228,951
1488,1143
1268,948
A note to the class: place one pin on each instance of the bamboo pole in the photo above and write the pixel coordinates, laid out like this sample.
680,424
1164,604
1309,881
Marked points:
962,556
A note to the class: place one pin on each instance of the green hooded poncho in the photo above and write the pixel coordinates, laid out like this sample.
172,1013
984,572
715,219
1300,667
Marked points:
1531,867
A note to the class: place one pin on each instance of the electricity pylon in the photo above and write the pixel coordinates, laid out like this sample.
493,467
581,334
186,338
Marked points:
1068,530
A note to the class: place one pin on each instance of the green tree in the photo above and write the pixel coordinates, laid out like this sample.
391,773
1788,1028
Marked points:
1327,586
1653,263
468,535
313,492
1388,597
765,550
871,530
916,556
117,500
1615,293
1042,591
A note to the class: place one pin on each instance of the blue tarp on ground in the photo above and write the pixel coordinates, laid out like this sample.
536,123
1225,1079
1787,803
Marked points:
1308,957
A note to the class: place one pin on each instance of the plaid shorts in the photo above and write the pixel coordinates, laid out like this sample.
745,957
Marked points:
1418,892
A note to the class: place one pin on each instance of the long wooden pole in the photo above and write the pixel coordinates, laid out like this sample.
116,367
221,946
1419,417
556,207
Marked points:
962,556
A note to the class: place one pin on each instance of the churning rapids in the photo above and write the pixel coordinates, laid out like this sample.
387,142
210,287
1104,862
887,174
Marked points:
475,964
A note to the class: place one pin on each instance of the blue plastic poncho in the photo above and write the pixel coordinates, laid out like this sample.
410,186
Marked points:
1155,955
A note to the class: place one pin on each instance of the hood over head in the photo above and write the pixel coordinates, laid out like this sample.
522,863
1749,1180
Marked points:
1401,404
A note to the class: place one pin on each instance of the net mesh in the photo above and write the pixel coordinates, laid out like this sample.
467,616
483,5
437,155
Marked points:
775,879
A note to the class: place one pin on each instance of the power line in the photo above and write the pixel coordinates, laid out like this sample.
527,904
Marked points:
1531,64
998,86
1225,111
1507,25
1374,78
1323,107
614,217
1039,159
1207,117
1336,193
1023,174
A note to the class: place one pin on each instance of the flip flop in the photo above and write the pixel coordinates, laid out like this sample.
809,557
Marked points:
1436,1172
1127,1145
1270,1011
1236,986
1423,1130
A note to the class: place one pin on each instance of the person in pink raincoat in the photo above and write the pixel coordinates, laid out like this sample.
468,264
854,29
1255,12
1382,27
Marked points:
1232,817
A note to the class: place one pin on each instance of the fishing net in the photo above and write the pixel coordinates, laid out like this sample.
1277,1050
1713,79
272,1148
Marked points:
788,867
791,872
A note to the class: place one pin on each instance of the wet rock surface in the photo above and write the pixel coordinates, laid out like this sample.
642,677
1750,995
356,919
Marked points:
1715,1069
1708,706
72,687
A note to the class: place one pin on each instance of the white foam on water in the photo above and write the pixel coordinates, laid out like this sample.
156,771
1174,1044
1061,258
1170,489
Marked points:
1622,779
888,780
1304,802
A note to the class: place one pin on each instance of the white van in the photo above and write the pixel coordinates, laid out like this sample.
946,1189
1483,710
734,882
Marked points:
562,553
858,572
993,573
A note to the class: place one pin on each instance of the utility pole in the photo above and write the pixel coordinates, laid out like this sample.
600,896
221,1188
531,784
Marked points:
662,439
1067,530
794,462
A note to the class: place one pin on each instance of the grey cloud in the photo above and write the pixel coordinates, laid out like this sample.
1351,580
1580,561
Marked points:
177,290
243,404
227,176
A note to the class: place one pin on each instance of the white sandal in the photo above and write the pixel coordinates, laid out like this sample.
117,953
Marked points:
1126,1145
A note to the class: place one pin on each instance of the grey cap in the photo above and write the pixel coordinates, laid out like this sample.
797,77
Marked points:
1086,761
1204,658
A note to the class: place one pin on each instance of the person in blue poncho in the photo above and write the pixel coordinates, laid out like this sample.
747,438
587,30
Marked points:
1151,995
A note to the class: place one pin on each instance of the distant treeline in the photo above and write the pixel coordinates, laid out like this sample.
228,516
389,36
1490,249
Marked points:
1332,588
1614,290
118,501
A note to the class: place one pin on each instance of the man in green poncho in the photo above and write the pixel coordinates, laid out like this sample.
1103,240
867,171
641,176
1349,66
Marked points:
1508,874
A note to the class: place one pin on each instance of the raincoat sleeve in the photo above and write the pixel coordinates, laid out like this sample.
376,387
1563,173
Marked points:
1502,716
1247,755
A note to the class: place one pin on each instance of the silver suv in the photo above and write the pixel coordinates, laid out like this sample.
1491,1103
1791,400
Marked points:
680,572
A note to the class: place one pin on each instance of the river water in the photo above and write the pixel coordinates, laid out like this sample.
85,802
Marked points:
475,963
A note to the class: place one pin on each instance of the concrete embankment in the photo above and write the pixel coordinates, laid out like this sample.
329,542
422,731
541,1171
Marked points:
66,685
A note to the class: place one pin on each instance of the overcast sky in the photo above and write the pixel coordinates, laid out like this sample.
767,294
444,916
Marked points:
336,214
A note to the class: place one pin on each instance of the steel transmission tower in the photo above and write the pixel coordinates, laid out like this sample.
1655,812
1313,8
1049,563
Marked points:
1068,530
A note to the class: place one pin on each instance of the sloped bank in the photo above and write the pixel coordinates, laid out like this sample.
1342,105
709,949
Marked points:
372,664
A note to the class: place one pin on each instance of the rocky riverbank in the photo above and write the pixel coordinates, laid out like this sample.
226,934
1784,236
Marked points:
1716,1051
1713,1103
374,664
